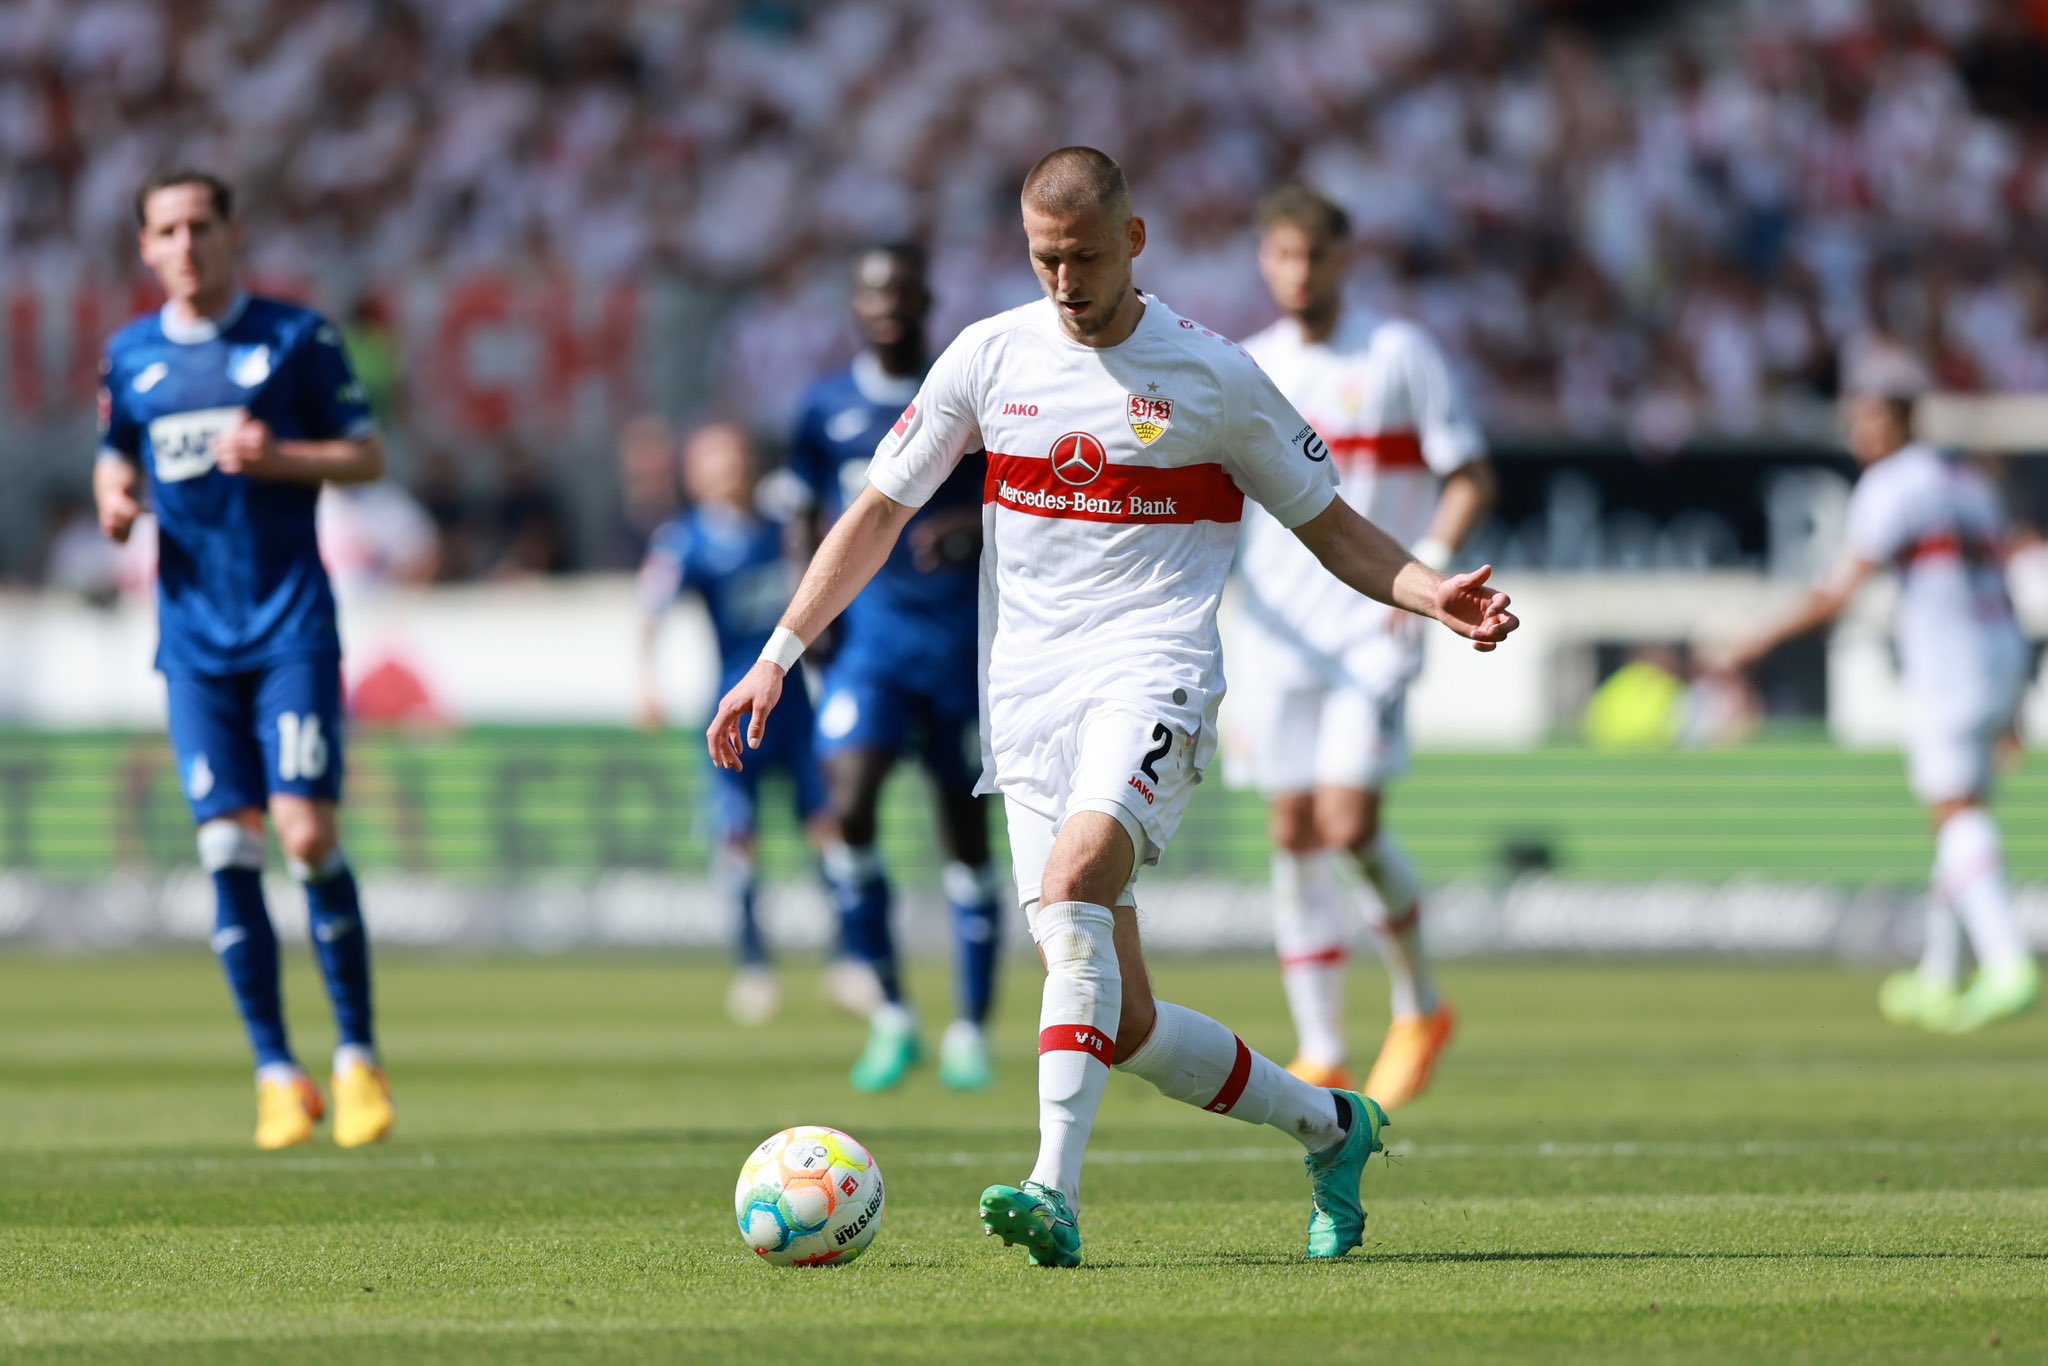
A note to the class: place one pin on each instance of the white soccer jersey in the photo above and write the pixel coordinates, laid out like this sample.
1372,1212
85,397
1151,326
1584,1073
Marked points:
1938,522
1115,486
1380,394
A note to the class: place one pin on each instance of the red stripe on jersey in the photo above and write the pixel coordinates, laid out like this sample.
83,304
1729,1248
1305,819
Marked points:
1382,451
1322,958
1081,1039
1138,494
1234,1084
1944,545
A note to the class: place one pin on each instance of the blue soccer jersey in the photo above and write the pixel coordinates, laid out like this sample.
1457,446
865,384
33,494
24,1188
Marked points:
912,620
737,564
240,586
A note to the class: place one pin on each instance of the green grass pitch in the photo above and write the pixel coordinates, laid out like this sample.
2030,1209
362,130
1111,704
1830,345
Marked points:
1621,1161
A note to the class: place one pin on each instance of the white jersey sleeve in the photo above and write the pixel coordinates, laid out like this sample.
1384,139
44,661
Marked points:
1879,521
938,428
1450,437
1271,452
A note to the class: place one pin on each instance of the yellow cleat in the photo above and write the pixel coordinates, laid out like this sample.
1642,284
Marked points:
1409,1056
1329,1076
363,1113
286,1112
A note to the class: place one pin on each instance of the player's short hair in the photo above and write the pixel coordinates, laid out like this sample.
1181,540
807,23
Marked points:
219,191
1070,179
1304,206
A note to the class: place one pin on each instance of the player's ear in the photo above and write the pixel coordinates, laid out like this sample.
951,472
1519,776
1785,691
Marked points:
1136,229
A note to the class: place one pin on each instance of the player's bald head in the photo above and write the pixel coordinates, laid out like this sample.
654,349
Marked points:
1076,180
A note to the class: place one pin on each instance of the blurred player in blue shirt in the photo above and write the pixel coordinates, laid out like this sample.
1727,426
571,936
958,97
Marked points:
225,413
734,556
905,678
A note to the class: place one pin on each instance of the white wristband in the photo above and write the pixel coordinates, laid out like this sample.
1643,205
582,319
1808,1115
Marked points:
1435,554
783,649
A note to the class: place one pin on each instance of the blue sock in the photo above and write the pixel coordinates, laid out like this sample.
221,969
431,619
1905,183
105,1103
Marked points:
861,890
977,936
340,942
247,948
735,872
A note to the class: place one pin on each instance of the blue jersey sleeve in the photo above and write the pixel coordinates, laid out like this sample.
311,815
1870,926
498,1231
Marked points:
119,433
325,391
666,573
811,459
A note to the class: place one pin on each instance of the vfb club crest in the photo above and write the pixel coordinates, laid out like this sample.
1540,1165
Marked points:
1150,416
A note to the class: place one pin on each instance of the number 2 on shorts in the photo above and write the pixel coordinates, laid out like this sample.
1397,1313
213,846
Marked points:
1162,741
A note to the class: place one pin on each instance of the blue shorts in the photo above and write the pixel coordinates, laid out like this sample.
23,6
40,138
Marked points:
786,748
241,738
872,708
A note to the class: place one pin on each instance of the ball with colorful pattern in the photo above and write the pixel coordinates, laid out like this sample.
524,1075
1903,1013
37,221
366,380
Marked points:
809,1196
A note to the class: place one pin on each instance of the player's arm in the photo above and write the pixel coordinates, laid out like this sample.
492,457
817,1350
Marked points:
118,486
1375,564
249,447
1452,445
117,494
1469,493
662,579
856,547
1821,606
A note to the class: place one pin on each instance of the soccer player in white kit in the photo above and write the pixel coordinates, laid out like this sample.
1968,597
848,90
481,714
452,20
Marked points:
1121,442
1939,524
1324,729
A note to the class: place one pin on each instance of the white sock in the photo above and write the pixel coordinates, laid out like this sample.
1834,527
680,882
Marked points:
1308,931
279,1072
1971,864
1941,954
1397,929
354,1055
1194,1059
1077,1020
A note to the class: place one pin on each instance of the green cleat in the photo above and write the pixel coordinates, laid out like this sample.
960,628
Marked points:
1907,998
1996,994
963,1058
1337,1223
1036,1218
892,1051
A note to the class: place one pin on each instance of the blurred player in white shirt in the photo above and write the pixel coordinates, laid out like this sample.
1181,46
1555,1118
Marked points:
1939,524
1327,682
1121,443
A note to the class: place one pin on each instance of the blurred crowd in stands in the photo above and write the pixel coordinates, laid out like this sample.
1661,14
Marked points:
1651,219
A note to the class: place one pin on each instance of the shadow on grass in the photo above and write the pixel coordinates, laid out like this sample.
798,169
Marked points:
1455,1258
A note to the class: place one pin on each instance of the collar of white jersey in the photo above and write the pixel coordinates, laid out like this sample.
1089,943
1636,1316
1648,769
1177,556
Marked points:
1156,314
878,386
202,329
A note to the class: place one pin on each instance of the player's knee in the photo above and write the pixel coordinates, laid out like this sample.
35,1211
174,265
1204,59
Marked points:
226,843
311,845
1294,828
1354,828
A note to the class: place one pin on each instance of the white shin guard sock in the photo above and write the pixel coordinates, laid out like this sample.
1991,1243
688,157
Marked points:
1397,930
1970,861
1077,1021
1941,953
1198,1061
1308,931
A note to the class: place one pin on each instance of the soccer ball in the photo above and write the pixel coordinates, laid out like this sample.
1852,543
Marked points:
809,1196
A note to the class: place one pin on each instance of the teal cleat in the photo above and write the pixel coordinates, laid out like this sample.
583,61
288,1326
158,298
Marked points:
1907,998
892,1051
1337,1223
1996,994
1036,1218
963,1058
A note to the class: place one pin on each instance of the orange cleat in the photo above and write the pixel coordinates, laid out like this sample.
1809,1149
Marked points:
286,1112
1334,1077
1408,1057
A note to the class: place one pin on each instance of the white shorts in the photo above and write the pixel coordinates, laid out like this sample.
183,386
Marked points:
1120,761
1952,730
1298,739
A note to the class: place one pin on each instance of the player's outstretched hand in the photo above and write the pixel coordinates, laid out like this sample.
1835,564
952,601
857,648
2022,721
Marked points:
1480,614
245,447
752,697
118,509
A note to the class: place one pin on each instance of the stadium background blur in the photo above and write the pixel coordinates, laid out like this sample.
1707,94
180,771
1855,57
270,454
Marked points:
1650,236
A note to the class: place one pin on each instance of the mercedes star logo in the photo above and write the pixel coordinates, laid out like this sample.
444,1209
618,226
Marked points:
1078,458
